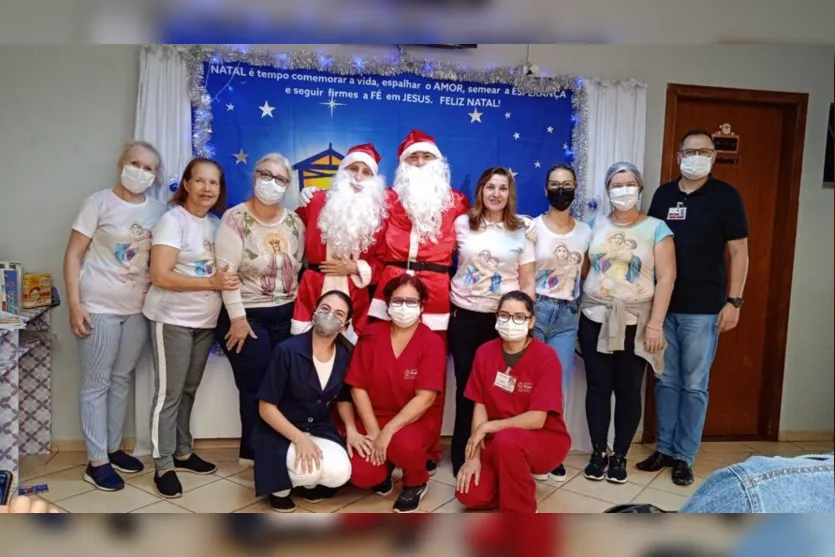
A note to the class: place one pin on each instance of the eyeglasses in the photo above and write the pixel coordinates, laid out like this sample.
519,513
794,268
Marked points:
409,302
264,175
518,318
693,152
325,308
562,185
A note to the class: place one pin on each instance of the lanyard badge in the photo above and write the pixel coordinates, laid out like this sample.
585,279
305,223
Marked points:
505,381
679,212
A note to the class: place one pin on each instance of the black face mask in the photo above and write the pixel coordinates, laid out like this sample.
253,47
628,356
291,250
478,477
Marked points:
561,199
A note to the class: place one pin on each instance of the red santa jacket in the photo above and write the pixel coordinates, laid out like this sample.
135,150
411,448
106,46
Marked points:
313,283
400,243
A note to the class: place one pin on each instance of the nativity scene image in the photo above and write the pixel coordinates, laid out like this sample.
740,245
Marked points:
317,170
561,274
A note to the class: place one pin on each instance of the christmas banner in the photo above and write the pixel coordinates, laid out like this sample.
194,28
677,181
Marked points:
244,110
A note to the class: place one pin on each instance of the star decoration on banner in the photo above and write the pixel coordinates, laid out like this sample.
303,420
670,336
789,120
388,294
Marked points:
550,129
240,157
266,110
332,104
516,135
565,146
507,115
512,173
475,116
229,107
537,164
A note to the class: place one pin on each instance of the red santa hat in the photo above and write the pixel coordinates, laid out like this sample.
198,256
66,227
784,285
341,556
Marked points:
365,153
415,142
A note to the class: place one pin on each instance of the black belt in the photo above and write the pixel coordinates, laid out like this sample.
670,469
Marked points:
419,266
314,267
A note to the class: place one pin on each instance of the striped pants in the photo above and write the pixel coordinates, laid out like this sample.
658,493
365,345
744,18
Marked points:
109,355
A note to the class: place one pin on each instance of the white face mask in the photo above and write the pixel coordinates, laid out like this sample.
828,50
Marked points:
136,180
695,167
624,198
512,332
269,192
404,316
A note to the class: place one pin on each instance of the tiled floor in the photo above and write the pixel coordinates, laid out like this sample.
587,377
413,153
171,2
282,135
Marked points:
230,489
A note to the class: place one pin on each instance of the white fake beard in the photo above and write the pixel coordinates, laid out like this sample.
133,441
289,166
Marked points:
350,219
425,194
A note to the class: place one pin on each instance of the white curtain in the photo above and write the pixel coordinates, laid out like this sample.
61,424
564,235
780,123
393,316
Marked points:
617,123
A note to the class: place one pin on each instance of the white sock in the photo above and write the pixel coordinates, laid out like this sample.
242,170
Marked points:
285,493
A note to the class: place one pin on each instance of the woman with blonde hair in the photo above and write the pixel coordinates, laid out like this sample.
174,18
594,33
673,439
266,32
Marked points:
106,273
262,240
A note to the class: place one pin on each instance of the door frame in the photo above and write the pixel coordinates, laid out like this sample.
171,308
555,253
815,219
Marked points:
794,107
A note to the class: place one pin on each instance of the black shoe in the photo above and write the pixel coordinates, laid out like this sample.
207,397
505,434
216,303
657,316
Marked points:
195,465
410,498
431,467
104,477
682,473
168,485
596,467
311,494
123,462
557,474
282,504
384,488
655,462
616,473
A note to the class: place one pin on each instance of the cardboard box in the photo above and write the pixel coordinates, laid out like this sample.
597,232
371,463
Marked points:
36,290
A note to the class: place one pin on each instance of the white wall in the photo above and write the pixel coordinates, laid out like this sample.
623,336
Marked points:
64,112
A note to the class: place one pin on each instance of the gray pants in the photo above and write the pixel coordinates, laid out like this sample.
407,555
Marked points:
108,357
180,355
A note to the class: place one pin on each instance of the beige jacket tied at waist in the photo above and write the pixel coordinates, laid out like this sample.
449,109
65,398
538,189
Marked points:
613,329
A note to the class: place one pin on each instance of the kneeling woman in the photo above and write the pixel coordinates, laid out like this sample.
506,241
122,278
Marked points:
518,428
296,442
397,374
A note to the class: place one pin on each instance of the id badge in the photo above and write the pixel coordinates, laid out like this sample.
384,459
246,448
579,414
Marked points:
505,382
679,212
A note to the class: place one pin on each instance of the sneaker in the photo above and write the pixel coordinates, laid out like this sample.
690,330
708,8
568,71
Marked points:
246,462
123,462
617,469
540,477
312,494
596,467
682,473
655,462
558,474
195,465
282,504
103,477
384,488
431,467
410,498
168,485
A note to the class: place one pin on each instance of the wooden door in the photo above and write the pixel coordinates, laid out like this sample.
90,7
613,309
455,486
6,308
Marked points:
768,129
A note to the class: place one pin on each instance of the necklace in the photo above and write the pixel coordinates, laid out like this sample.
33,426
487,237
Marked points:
633,221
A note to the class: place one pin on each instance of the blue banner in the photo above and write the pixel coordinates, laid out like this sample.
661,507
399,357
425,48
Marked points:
314,117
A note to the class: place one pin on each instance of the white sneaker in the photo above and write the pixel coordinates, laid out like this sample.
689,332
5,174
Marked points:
540,477
246,462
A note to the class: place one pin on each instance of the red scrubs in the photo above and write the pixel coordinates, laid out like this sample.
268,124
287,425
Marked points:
391,383
512,455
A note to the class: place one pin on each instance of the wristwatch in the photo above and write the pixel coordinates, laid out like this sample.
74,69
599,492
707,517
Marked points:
735,302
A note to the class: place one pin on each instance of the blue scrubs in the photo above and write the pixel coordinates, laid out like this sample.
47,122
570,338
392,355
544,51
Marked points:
292,384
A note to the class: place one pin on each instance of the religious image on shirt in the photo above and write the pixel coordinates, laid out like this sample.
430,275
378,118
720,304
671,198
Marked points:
135,255
618,265
279,270
206,267
561,274
482,275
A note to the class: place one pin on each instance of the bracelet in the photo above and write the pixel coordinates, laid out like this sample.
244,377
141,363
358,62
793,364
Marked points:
242,318
661,328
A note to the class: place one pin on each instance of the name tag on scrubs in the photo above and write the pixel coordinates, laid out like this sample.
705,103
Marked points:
505,382
677,213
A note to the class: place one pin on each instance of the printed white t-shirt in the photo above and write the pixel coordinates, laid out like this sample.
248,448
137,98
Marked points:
488,264
623,263
114,272
559,260
195,238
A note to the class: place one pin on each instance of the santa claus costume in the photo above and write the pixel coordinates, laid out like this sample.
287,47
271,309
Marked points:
420,234
343,224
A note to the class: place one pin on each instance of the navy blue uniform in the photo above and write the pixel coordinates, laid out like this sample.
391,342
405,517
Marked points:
292,384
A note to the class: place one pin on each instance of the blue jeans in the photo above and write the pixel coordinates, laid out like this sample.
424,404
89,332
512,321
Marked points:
768,485
681,392
556,324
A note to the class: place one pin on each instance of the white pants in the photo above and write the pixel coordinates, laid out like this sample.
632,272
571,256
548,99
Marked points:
334,469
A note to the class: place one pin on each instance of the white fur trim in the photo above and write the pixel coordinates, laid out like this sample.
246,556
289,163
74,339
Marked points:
359,156
299,327
363,278
379,309
424,146
436,321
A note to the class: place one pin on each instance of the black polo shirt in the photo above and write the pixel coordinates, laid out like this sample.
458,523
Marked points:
713,216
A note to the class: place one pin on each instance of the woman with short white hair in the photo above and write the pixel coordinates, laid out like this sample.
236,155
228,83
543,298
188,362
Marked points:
262,240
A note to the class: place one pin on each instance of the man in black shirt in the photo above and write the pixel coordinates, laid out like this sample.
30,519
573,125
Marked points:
707,218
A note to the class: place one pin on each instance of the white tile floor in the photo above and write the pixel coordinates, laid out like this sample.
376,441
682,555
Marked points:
230,489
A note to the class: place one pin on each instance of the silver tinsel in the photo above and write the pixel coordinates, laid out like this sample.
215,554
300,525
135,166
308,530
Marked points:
401,63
